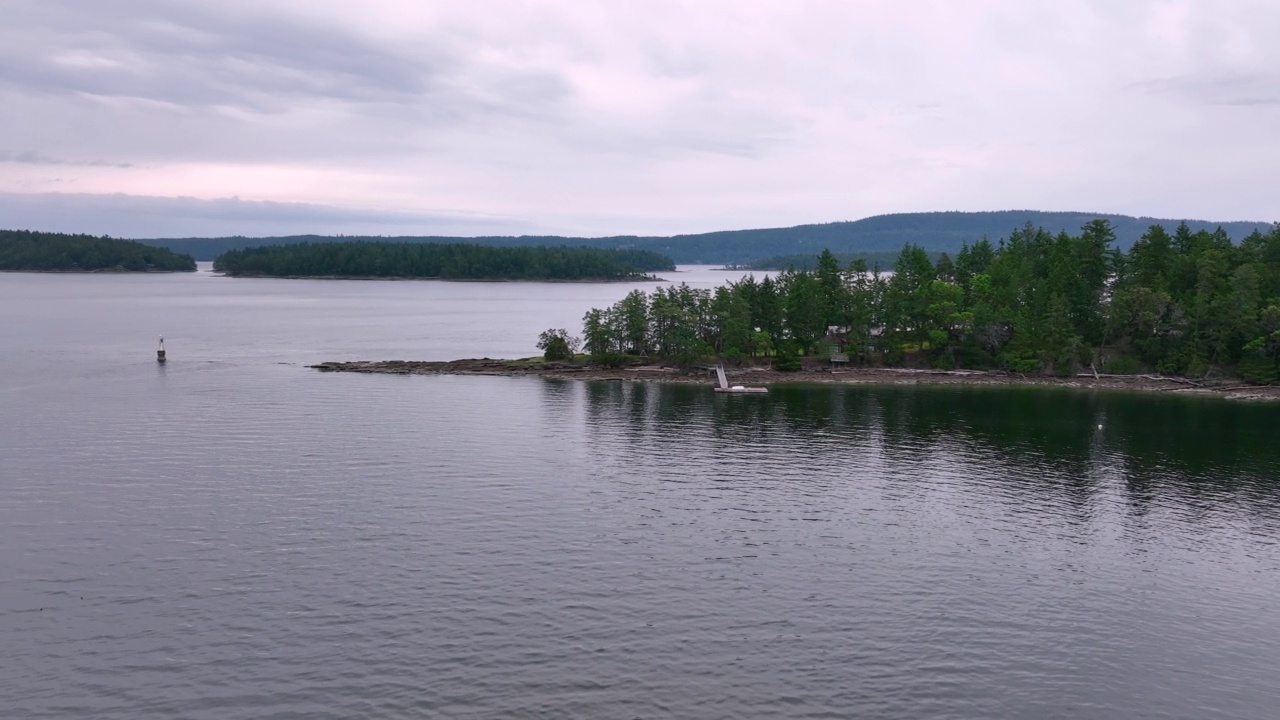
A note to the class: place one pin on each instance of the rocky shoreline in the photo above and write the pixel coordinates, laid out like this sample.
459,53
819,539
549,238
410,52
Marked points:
1226,388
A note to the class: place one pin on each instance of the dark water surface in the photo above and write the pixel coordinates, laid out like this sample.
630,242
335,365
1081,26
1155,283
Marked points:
234,536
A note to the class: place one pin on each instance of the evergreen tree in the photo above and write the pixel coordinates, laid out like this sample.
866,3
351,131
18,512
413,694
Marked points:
1187,303
633,315
804,310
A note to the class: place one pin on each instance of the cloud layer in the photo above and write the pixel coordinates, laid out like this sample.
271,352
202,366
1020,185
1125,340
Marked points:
654,117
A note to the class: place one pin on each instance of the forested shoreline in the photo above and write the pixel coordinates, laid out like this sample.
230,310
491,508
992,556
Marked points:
883,258
447,261
934,231
1184,303
26,251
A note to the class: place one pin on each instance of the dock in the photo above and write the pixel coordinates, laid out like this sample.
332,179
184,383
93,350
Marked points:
725,387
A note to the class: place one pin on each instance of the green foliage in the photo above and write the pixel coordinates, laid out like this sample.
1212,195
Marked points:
805,310
35,251
1036,303
458,261
1020,364
1257,369
809,261
1261,356
598,335
1123,365
1060,346
557,345
946,268
787,359
875,238
633,323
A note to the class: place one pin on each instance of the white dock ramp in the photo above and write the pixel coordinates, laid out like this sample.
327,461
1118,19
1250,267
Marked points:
724,386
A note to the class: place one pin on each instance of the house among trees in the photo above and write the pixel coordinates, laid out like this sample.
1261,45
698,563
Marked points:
837,342
844,346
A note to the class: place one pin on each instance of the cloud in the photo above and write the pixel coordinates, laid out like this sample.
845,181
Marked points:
660,116
143,216
191,56
1228,89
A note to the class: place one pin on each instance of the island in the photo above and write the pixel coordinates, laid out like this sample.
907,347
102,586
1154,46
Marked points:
26,251
444,261
1186,311
875,237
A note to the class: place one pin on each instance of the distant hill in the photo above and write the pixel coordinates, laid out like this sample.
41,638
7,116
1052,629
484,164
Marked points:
936,231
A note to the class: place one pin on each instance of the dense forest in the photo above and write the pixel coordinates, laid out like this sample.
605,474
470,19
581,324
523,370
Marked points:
801,261
454,261
936,232
49,252
1188,302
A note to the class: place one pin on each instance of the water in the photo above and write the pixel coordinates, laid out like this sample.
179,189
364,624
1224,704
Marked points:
232,535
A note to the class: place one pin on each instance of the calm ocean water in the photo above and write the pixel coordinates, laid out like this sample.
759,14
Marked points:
232,535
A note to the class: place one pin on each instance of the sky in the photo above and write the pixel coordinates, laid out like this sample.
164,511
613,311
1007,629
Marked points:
147,118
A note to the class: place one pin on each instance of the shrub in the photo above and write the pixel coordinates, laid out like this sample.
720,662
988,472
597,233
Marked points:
556,344
1123,365
1020,363
787,359
1259,369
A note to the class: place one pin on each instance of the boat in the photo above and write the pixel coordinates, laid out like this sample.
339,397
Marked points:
725,387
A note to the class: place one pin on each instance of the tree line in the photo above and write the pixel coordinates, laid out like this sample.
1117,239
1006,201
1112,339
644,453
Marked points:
884,258
934,231
452,261
1187,303
47,252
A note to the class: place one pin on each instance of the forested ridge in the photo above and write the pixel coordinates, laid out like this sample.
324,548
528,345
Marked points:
49,252
1187,303
452,261
933,231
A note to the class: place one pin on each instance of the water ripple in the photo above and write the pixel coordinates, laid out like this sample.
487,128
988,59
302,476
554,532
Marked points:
274,543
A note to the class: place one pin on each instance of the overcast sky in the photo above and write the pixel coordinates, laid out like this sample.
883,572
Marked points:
168,117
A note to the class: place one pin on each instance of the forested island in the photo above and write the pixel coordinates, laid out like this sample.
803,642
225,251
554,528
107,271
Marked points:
26,251
445,261
933,231
1187,303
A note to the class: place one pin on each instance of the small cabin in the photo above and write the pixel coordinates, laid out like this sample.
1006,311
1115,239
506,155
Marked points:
837,345
843,347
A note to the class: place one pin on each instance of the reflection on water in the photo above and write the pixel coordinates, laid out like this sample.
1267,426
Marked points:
1193,449
234,536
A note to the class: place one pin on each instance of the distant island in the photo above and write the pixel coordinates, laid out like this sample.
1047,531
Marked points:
446,261
25,251
933,231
